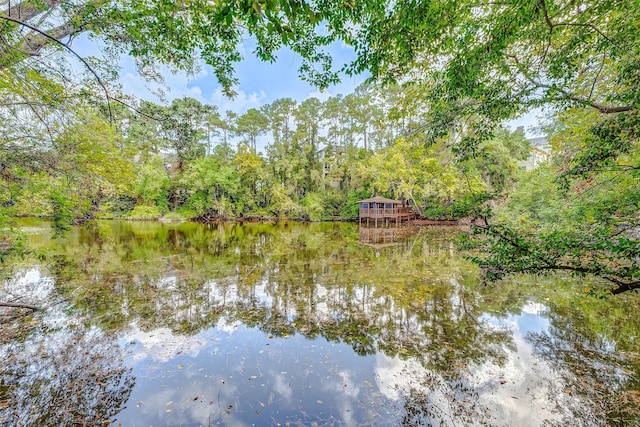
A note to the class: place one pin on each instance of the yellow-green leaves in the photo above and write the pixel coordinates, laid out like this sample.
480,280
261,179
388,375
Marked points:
424,175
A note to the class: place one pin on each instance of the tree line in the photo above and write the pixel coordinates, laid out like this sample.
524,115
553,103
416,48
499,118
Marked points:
189,160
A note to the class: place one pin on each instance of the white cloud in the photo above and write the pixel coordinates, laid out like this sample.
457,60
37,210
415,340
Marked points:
173,86
260,82
181,85
321,95
523,389
346,86
162,345
240,103
395,376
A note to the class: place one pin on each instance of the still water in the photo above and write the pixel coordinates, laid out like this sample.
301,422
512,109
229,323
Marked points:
150,324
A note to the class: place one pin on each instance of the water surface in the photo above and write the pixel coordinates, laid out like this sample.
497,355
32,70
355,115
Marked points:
150,324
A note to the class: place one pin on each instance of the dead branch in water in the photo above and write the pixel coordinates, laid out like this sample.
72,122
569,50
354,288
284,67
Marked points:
18,305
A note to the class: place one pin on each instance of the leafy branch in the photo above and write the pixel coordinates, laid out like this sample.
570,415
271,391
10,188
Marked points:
511,251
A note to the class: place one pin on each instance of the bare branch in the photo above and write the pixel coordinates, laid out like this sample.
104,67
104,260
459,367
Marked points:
33,44
545,12
18,305
26,12
597,77
552,25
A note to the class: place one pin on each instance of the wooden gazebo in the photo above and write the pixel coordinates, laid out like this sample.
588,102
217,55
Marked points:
384,210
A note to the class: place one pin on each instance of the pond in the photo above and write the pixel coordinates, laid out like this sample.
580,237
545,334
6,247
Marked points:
288,324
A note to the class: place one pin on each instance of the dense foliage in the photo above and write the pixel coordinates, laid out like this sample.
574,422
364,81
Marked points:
186,160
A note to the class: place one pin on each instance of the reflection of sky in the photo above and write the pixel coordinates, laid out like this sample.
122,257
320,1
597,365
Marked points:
57,371
528,322
392,378
239,376
29,285
161,345
530,319
522,390
525,390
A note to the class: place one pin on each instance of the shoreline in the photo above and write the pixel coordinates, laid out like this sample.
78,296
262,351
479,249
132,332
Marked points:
255,219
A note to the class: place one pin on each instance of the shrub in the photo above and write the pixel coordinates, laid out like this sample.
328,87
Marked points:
142,212
313,208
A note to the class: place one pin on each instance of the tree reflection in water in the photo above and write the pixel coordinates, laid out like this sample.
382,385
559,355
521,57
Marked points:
592,366
63,373
440,348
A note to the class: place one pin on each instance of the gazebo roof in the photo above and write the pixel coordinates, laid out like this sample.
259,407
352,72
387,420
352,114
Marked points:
378,199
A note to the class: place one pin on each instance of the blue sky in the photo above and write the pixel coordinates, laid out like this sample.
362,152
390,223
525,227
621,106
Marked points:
260,82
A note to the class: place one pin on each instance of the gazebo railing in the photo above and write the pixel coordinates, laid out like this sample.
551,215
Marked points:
385,212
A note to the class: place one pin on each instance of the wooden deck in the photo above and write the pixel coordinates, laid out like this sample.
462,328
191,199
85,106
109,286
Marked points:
384,211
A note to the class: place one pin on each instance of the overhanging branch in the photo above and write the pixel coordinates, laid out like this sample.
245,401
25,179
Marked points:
551,264
604,109
66,47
